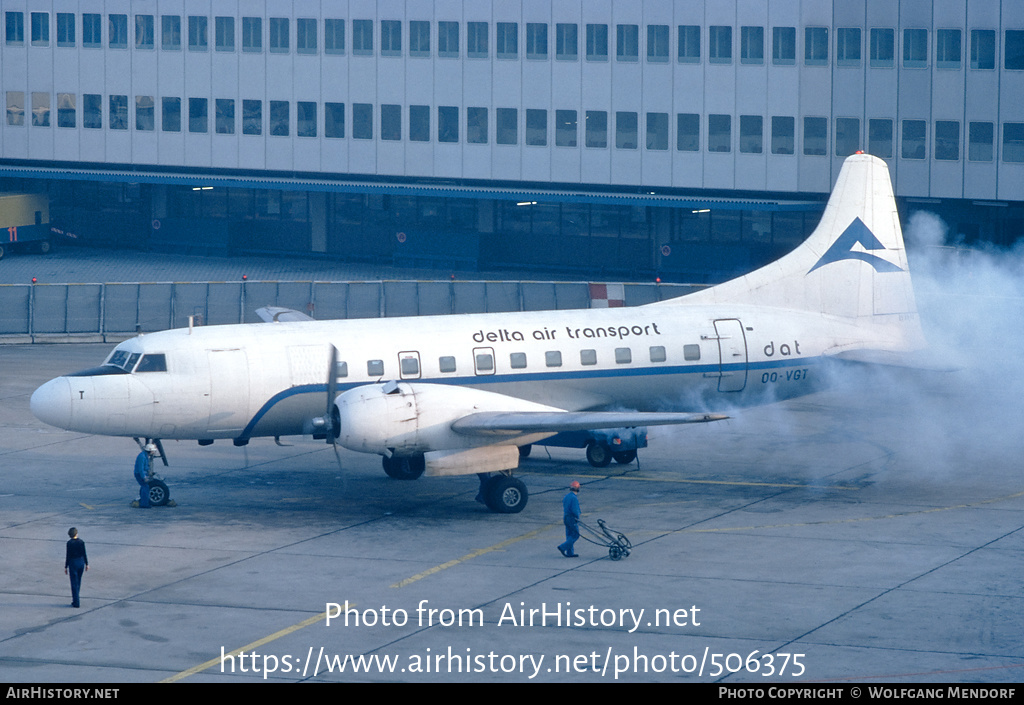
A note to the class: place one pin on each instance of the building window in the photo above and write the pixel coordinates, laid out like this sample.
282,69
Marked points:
225,120
305,35
848,46
66,110
947,49
719,133
913,139
597,42
476,125
66,29
537,41
565,128
225,30
720,44
815,46
657,131
689,44
751,45
784,46
915,48
170,114
507,43
448,40
118,112
419,123
447,123
279,118
816,136
476,40
92,30
305,118
566,42
92,111
687,132
390,38
506,126
170,33
847,136
419,38
751,134
145,119
334,120
198,115
880,138
597,129
252,117
334,36
657,43
391,122
15,108
536,127
1013,54
279,30
983,49
1013,142
982,137
41,33
252,34
947,140
362,121
626,126
197,33
783,134
362,38
883,47
627,42
40,110
15,27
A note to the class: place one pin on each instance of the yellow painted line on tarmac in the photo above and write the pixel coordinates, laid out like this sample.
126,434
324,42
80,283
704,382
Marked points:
250,647
470,556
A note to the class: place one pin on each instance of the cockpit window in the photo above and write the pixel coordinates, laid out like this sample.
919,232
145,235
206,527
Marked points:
152,363
123,359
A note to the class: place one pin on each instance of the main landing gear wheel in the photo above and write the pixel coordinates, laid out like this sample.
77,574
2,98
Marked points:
408,468
524,451
505,495
598,455
624,457
159,495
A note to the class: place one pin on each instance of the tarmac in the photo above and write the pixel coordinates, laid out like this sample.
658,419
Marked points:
870,533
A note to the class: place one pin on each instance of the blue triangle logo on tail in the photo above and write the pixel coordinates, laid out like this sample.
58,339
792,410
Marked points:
856,234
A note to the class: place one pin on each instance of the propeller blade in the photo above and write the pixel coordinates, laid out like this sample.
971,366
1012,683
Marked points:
332,392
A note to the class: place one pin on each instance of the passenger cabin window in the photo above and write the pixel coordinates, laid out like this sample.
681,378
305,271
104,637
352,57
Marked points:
375,368
152,363
588,357
658,353
340,369
410,367
517,360
484,362
623,356
446,363
553,358
691,353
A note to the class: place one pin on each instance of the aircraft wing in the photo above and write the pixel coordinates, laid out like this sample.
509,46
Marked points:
509,423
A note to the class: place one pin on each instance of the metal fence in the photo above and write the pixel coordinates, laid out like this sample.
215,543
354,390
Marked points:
115,311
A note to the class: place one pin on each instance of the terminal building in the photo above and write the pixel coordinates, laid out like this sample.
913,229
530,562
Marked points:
685,139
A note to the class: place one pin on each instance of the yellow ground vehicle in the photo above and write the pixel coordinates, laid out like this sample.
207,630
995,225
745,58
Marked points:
24,222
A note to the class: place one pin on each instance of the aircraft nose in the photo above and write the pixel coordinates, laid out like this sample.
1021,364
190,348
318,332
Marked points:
51,403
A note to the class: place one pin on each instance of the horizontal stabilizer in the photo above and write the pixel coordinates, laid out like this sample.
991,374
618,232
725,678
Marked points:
518,422
274,314
915,360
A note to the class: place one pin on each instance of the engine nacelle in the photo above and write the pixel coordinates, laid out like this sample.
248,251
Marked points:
406,419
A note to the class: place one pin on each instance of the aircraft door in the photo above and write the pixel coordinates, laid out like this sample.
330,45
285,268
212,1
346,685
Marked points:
229,390
732,355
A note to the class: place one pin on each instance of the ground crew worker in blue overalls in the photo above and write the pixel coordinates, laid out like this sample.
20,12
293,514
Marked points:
142,465
571,517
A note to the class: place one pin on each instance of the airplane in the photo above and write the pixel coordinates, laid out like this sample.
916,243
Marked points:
462,394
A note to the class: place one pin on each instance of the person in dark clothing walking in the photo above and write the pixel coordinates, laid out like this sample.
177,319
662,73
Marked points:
571,517
75,563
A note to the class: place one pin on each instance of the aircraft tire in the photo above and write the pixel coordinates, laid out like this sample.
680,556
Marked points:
159,495
506,495
624,457
1,251
524,451
598,455
409,468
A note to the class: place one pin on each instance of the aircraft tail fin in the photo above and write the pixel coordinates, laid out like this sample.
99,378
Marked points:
854,264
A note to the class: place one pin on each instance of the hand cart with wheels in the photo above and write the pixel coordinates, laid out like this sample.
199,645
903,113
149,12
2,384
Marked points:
618,545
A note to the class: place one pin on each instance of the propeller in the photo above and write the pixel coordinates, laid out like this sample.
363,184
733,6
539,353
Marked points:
331,421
